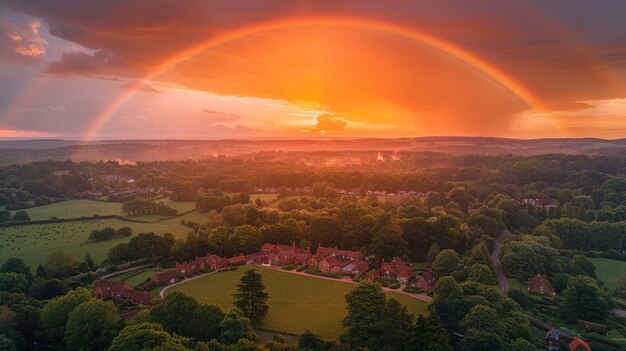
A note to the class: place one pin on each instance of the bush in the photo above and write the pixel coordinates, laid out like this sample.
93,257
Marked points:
395,285
321,274
303,268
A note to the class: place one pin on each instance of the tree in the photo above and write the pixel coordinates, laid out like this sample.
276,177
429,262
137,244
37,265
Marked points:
483,318
481,273
520,344
14,282
89,261
143,336
43,289
446,262
583,299
480,254
16,265
60,264
362,324
309,341
432,253
579,264
7,344
479,340
235,327
251,297
93,325
55,314
21,216
430,334
386,244
397,326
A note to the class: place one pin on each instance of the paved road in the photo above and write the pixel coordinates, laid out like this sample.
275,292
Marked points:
347,280
618,312
495,258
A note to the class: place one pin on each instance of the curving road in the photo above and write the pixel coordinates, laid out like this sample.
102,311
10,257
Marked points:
497,265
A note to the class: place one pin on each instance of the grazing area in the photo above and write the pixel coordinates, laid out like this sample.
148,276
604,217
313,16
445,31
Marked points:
74,209
609,271
33,242
296,303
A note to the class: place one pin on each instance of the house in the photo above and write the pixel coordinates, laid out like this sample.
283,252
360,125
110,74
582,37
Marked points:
547,203
552,339
109,289
164,278
330,265
578,344
185,268
257,258
540,285
282,255
396,270
212,262
237,260
426,281
345,255
356,269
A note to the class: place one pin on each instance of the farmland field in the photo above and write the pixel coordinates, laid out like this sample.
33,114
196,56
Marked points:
297,303
609,271
33,242
74,209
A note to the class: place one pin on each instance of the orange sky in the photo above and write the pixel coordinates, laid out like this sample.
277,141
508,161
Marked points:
219,70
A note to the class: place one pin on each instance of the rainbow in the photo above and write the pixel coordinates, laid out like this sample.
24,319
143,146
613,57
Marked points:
490,72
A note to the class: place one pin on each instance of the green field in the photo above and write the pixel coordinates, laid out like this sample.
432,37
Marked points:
178,205
74,209
33,242
609,271
297,303
135,277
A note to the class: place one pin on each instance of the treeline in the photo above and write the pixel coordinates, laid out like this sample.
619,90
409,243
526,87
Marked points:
109,233
216,200
141,206
578,235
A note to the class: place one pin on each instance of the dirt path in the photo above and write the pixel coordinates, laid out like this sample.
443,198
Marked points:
347,280
495,258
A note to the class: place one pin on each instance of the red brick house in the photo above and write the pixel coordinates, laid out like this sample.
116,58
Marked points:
212,262
344,255
185,268
356,269
314,262
235,260
540,285
164,278
109,289
258,258
396,270
579,344
330,265
426,281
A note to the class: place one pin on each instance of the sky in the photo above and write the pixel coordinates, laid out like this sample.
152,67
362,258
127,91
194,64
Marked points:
196,69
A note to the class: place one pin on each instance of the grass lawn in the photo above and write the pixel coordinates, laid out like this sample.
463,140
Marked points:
265,197
297,303
136,277
181,206
609,271
34,242
74,209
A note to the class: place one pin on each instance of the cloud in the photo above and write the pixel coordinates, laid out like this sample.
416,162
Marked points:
21,43
329,123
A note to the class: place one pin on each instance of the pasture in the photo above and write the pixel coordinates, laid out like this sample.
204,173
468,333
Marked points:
34,242
297,303
609,271
74,209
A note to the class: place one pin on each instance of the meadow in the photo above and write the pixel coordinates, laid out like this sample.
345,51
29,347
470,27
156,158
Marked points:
33,242
609,271
74,209
297,303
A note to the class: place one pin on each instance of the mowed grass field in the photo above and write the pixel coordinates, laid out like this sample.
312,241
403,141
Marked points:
297,303
74,209
34,242
136,277
609,271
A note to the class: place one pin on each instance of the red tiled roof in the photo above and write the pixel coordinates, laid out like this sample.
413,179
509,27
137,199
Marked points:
163,276
579,344
539,284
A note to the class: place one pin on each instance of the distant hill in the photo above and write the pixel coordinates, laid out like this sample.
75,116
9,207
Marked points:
22,151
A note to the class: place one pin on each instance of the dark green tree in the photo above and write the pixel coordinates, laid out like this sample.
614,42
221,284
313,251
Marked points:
92,325
235,327
366,304
430,334
583,299
16,265
309,341
251,297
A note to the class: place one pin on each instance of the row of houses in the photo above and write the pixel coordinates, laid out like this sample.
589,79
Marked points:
547,203
351,191
109,289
